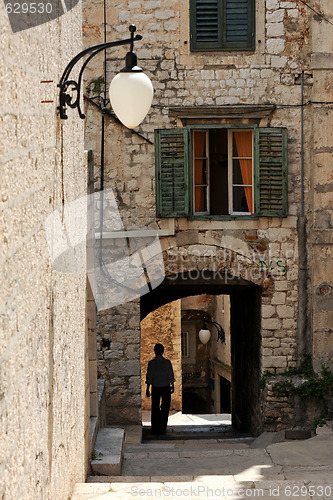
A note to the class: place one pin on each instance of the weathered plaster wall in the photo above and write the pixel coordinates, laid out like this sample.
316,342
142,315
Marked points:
44,419
220,354
162,326
196,390
321,222
219,351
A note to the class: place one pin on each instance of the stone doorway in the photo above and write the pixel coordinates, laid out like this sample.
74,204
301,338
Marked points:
245,339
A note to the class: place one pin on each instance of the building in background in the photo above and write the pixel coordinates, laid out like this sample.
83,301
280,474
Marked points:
234,164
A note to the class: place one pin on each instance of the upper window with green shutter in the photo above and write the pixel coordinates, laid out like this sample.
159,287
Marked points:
222,25
221,172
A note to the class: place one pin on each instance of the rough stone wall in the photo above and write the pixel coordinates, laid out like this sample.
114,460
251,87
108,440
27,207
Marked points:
43,423
163,326
269,75
118,347
182,78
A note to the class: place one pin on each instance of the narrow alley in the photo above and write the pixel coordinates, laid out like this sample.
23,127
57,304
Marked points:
219,467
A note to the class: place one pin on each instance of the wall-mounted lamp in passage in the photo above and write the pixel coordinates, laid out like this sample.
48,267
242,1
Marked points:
205,334
131,91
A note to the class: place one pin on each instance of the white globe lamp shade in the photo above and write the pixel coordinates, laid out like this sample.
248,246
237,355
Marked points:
131,95
204,335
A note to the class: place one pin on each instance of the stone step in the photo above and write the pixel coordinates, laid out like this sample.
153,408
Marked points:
194,432
188,444
108,452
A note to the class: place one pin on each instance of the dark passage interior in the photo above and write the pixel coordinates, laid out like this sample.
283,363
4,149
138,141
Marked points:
241,397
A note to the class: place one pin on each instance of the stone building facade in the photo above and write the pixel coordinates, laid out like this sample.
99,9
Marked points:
272,260
44,383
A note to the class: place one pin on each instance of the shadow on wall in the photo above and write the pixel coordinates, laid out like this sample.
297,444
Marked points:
193,402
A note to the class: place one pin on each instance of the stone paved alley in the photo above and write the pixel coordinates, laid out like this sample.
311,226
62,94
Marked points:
221,468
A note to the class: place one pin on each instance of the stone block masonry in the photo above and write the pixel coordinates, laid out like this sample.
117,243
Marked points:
118,344
43,422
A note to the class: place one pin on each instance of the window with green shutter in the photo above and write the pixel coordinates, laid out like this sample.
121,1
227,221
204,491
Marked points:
222,24
221,172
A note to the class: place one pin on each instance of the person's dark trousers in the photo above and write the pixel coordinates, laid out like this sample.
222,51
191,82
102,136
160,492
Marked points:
160,406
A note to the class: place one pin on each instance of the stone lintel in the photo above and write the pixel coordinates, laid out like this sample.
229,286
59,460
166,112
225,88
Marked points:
227,111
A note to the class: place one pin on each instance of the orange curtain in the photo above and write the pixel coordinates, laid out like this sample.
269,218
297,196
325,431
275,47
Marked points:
243,139
199,152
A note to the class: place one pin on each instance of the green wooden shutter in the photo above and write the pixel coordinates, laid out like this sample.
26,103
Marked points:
238,21
222,24
205,24
172,173
270,172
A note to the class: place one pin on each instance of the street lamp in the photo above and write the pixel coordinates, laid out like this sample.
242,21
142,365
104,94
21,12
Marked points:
204,333
131,91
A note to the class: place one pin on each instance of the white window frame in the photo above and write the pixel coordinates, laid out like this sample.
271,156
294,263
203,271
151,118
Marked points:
230,172
230,176
185,338
189,327
207,212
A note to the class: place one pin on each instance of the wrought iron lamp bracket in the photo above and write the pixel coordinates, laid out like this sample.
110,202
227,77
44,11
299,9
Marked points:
220,331
66,84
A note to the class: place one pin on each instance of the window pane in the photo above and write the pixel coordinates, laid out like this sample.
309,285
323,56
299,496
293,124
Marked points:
200,199
242,144
236,173
200,172
199,144
218,173
241,199
242,172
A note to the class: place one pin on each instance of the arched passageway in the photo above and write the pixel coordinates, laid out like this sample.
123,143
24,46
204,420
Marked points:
245,328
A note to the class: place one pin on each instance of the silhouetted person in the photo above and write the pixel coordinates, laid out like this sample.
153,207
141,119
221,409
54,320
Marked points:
160,377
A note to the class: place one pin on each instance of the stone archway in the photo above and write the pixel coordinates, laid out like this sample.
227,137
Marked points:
266,296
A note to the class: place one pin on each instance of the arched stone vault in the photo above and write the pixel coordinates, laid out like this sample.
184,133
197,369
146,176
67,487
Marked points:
192,268
226,263
198,263
210,269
